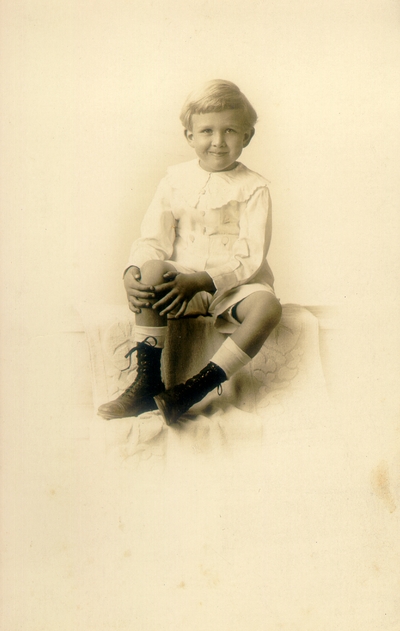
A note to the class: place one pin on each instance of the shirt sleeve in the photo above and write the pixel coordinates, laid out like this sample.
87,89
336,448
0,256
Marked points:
250,250
157,230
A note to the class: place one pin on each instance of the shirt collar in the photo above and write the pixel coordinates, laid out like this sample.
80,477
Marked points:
222,187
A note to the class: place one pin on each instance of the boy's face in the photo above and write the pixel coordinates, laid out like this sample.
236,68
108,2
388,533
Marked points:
218,138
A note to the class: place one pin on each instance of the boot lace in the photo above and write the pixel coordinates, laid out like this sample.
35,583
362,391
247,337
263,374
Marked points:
203,382
139,346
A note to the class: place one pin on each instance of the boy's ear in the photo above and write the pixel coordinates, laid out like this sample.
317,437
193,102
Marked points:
248,136
189,136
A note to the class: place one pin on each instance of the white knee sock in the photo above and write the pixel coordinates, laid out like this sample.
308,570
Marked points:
157,332
230,357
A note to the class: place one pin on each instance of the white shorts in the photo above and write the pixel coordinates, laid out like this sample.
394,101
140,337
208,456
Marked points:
203,303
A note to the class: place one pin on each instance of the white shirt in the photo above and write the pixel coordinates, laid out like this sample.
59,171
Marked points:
217,222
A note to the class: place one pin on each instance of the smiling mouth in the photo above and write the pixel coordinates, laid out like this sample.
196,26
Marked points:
213,153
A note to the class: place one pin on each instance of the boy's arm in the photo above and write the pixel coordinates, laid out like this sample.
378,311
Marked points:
155,243
250,250
157,232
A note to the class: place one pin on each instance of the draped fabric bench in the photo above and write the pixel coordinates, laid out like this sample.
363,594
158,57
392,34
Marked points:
285,359
281,387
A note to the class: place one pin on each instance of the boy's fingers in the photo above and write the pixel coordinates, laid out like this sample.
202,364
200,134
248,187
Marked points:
140,304
164,294
182,309
171,306
141,287
163,287
160,303
135,281
166,300
144,295
134,305
138,293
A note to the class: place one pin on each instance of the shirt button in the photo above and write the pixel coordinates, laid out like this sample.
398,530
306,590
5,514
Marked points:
204,230
202,213
225,240
203,192
191,238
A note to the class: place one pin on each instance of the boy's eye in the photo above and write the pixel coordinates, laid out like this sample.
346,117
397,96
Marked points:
230,131
206,131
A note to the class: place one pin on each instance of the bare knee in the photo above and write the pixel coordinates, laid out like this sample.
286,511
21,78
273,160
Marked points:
273,312
259,314
267,311
152,271
262,306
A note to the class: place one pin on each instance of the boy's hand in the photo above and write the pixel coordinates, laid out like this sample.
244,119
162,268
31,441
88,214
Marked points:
138,294
179,289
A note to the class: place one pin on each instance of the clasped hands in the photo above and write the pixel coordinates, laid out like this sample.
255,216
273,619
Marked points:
173,295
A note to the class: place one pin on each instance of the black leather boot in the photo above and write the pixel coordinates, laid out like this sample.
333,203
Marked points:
177,400
138,398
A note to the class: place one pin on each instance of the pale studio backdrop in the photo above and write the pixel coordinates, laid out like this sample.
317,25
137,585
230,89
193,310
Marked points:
90,96
94,90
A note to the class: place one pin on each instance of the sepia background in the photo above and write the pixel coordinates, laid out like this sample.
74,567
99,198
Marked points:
90,99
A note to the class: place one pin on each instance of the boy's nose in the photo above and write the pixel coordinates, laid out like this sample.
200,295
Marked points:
218,140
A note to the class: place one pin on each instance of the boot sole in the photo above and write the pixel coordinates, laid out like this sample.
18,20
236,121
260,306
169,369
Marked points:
148,405
163,407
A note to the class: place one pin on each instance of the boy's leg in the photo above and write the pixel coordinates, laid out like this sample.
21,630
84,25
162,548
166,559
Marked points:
149,323
258,315
152,274
150,331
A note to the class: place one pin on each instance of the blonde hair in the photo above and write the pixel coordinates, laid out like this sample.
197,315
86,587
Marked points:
215,96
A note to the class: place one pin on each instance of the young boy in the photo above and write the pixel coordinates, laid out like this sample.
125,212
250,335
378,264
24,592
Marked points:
202,250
